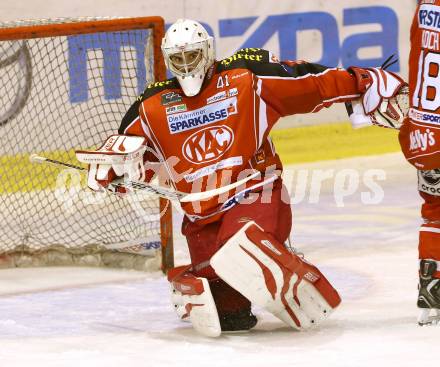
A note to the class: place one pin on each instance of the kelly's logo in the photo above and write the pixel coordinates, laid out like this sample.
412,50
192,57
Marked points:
422,140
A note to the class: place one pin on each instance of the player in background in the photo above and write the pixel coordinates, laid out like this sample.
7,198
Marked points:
209,126
420,142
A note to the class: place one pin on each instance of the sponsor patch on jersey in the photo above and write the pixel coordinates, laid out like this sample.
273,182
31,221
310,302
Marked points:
429,181
208,144
232,92
216,97
421,140
239,75
209,170
252,54
429,17
222,95
214,112
170,98
260,156
176,109
427,118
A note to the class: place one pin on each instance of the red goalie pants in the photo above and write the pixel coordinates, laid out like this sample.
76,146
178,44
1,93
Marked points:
268,211
429,240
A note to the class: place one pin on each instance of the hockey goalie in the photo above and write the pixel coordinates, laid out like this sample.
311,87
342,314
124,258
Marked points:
208,126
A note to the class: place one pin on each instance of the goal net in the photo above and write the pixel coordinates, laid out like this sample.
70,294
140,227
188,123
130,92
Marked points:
66,84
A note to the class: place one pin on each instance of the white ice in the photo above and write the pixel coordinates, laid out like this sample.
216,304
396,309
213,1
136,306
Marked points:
100,317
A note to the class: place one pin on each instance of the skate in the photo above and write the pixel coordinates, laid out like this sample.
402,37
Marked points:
429,294
240,321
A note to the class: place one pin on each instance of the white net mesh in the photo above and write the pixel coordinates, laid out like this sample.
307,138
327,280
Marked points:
58,94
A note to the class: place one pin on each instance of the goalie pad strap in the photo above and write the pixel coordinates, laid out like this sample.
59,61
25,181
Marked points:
189,285
177,271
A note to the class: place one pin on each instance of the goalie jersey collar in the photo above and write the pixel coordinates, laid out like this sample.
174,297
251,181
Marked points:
258,61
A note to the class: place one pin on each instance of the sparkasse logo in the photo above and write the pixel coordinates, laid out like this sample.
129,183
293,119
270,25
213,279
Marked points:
206,115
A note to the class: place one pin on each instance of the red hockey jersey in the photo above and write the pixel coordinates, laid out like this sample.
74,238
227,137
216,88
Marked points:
420,135
218,136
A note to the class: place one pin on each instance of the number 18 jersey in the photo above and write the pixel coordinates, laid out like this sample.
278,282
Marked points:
420,135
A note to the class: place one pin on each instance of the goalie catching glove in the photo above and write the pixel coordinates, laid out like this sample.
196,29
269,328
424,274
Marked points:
384,102
120,156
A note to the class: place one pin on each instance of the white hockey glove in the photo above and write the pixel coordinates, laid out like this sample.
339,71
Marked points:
385,100
192,300
119,156
265,272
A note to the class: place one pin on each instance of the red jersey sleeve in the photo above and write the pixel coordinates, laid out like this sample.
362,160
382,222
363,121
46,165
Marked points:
300,87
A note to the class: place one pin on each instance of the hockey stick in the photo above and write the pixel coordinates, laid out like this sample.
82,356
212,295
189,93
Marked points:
154,189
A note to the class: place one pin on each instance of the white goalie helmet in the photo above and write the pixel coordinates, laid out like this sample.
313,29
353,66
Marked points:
189,52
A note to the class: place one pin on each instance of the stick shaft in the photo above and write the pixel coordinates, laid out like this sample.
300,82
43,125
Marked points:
39,159
154,189
157,190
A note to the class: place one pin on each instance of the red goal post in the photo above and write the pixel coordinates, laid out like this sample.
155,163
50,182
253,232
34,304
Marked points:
66,85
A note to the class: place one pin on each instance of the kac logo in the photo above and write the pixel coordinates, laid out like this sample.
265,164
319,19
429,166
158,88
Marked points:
208,144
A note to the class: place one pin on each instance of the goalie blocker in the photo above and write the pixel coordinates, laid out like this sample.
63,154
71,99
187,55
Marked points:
265,272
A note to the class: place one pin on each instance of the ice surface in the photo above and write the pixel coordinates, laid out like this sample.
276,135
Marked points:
97,317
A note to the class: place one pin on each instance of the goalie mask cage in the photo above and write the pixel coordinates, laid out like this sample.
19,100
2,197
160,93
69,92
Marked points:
66,84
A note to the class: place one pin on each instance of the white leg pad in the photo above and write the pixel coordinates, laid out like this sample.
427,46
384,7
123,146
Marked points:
196,303
266,273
